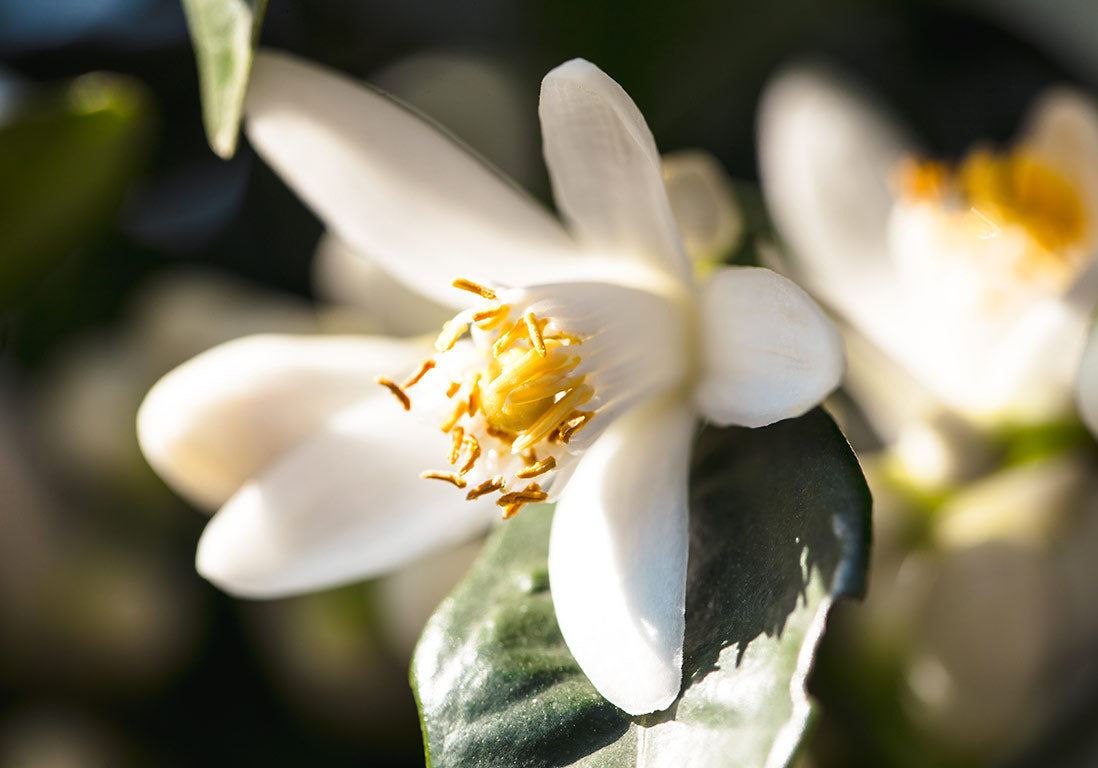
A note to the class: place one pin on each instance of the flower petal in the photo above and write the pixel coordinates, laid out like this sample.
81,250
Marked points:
341,274
1087,384
769,350
703,203
826,152
617,557
605,169
223,416
347,504
393,186
1062,128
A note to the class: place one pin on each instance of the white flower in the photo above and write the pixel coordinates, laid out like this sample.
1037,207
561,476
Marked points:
975,278
615,353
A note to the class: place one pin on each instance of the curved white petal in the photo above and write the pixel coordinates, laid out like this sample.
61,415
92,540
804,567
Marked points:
605,169
769,350
1063,128
392,185
343,275
826,154
637,344
347,504
1087,383
617,557
703,203
221,417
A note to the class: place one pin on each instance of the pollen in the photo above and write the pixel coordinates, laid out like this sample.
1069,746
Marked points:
990,196
512,398
399,393
449,477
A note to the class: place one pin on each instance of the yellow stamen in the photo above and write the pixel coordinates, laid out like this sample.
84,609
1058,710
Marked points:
427,365
450,477
479,290
452,389
457,435
533,330
458,412
540,468
400,394
488,319
508,337
576,421
474,396
530,494
452,330
488,486
500,434
474,454
552,418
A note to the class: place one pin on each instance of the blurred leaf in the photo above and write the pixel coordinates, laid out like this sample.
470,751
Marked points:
224,34
66,163
779,527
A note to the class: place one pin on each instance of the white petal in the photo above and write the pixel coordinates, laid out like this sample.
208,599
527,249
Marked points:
392,185
221,417
1063,128
826,153
769,350
606,170
637,344
1087,385
347,504
617,557
390,307
703,203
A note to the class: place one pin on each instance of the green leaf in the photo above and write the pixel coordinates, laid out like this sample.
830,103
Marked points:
66,160
224,34
779,526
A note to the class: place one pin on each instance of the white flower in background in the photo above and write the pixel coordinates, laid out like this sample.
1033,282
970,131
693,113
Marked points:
575,367
976,277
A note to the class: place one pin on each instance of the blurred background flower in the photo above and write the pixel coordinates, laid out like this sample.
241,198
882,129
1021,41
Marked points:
126,246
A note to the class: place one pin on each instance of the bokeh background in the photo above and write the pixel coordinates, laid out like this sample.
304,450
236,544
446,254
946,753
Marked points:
127,246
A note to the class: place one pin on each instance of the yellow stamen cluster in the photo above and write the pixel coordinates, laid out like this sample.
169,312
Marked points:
525,399
991,192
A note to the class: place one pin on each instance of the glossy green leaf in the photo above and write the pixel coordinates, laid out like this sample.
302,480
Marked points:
779,527
66,159
224,34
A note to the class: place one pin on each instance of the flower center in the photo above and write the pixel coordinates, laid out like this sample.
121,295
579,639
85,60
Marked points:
1015,197
512,412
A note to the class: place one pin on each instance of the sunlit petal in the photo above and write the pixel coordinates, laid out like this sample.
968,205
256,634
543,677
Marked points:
223,416
605,168
769,350
393,186
347,504
617,558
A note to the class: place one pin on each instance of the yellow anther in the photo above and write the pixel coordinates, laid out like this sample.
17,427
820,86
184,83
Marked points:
452,389
479,290
507,337
540,468
488,486
576,421
474,454
511,510
500,434
457,435
488,319
474,396
452,330
455,416
533,330
530,494
450,477
427,365
553,417
400,394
